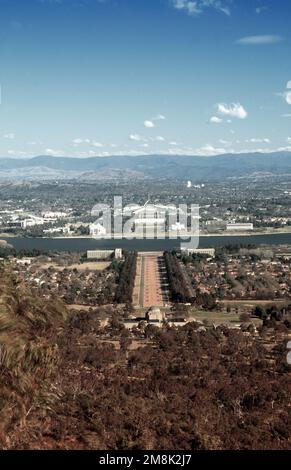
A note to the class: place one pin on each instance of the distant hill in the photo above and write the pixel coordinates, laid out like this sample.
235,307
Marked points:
148,166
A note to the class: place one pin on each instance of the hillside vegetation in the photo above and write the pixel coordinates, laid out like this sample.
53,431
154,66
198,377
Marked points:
65,385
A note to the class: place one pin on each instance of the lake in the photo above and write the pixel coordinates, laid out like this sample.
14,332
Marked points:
84,244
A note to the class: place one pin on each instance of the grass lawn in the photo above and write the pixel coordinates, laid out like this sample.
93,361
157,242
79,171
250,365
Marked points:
219,318
94,266
252,303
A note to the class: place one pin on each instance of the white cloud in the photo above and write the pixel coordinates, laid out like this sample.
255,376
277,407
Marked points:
137,138
286,95
286,115
55,153
258,141
261,9
173,143
81,141
288,140
215,120
159,117
225,142
209,150
149,124
191,8
234,110
96,144
197,7
259,40
10,136
282,149
159,138
20,154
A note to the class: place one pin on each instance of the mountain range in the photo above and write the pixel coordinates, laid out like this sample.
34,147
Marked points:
195,168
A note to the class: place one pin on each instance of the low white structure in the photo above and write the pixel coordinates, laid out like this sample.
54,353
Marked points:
53,214
99,254
155,315
24,261
200,251
64,230
104,254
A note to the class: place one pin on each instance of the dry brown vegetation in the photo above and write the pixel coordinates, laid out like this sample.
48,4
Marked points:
62,386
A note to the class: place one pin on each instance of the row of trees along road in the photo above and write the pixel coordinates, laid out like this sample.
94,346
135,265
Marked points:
126,279
178,286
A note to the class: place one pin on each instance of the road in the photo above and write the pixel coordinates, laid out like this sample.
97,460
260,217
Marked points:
150,284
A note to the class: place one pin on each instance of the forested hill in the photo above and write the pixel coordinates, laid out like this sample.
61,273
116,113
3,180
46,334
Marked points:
149,166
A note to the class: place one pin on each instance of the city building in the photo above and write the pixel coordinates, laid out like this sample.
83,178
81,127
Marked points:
149,224
99,254
53,215
178,227
200,251
104,254
118,253
154,316
97,230
31,222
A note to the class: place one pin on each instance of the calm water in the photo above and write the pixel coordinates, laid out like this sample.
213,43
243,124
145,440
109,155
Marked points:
142,245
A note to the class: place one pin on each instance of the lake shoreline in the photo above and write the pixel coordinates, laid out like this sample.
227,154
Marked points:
4,236
74,244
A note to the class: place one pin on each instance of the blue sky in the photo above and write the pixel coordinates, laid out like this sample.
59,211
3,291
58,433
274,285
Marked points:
91,77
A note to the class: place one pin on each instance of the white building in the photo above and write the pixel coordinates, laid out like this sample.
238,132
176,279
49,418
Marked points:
31,222
99,254
104,254
65,230
200,251
97,230
150,211
178,227
149,223
118,253
24,261
53,214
